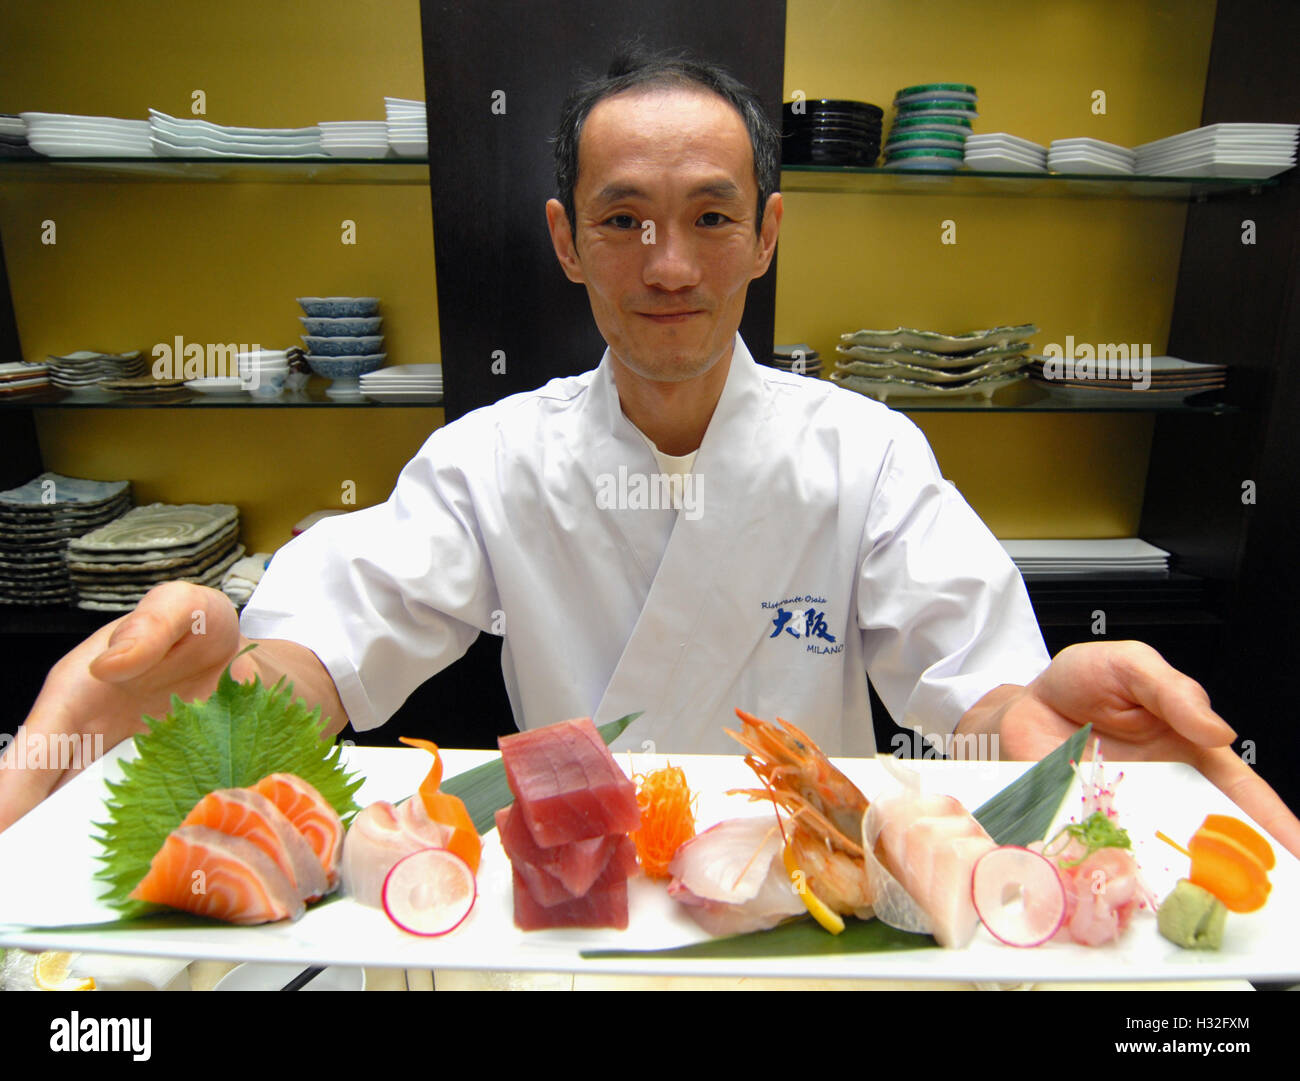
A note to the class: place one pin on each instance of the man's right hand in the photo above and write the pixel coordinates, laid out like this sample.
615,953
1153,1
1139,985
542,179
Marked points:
178,640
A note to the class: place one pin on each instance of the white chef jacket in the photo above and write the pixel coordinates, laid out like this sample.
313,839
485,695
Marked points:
819,543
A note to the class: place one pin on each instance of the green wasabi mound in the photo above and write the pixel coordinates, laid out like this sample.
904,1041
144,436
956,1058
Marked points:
1192,917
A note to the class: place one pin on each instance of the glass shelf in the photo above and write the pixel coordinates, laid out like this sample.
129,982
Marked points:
312,396
1032,396
257,170
850,179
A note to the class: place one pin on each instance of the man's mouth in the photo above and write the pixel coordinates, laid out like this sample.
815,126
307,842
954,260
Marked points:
668,318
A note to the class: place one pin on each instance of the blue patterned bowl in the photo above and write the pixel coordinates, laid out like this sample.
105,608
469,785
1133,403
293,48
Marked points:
346,368
335,328
344,347
338,307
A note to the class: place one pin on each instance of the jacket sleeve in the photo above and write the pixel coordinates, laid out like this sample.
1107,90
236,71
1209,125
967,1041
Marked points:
387,596
944,613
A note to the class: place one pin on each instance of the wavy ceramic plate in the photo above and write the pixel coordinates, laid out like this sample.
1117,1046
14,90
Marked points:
934,341
928,359
160,525
1172,798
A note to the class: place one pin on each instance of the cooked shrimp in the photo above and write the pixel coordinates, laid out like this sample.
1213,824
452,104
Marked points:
825,808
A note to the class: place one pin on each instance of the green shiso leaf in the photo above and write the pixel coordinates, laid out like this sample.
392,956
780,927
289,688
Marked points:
1023,811
1020,813
485,791
233,740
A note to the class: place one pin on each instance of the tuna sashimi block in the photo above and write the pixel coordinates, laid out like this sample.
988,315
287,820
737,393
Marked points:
576,865
567,785
547,890
603,907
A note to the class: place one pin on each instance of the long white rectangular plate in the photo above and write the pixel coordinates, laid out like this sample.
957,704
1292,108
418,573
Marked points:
47,862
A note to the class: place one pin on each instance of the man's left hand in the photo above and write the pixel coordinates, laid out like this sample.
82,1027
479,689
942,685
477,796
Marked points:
1142,709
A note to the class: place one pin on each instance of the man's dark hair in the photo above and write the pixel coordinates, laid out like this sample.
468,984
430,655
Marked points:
633,69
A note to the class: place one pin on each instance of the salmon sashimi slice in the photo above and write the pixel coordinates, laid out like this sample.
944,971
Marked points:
311,815
241,812
211,873
567,785
576,865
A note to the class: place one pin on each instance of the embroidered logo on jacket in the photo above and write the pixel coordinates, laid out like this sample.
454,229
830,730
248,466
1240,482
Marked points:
802,618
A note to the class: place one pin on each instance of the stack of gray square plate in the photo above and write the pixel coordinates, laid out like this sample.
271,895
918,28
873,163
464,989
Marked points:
114,566
37,520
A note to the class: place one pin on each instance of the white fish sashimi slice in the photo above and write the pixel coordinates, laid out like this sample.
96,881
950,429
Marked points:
380,836
728,862
931,844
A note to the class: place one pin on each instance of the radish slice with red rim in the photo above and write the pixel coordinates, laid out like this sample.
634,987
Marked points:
429,892
1018,895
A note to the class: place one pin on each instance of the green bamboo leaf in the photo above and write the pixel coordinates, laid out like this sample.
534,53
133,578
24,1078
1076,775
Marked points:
1023,811
485,791
795,938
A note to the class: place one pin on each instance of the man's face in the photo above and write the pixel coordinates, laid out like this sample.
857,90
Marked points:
666,241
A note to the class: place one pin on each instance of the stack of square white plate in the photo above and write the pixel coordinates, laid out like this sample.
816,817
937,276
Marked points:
114,566
37,520
62,135
1245,150
1090,156
408,127
84,369
998,152
404,383
174,138
1127,556
354,138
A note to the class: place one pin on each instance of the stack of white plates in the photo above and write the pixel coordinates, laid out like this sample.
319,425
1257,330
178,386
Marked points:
1245,150
1120,556
13,137
1090,156
84,368
21,377
408,127
354,138
998,152
931,124
173,138
61,135
404,383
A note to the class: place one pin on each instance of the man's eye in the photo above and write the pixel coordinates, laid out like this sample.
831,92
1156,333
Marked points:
623,221
713,218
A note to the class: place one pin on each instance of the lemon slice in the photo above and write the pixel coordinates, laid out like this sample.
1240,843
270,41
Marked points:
51,973
829,919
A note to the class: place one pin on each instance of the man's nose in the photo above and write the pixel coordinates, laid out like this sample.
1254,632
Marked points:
670,260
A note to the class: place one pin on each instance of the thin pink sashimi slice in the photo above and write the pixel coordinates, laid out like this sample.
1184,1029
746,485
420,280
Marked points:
312,816
567,785
242,812
211,873
378,837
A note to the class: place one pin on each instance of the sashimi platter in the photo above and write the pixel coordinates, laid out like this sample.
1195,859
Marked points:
230,831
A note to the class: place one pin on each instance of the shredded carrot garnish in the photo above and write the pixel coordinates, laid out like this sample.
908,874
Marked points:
667,818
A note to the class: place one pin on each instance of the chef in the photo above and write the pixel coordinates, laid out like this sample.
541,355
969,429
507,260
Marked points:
677,532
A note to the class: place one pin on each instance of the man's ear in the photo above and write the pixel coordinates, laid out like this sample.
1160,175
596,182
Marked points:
767,236
557,221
